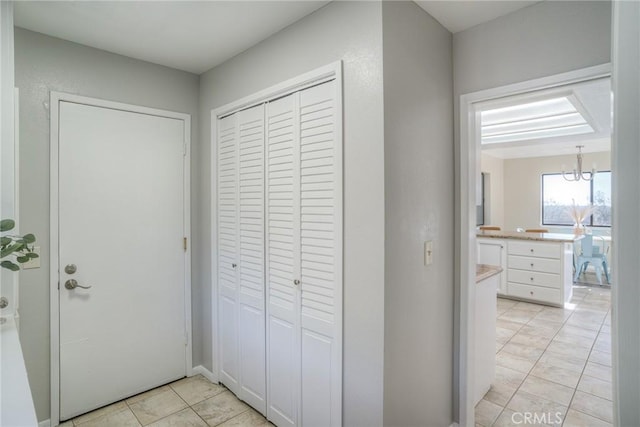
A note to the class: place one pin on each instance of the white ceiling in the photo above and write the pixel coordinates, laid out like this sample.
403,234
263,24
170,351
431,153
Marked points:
193,36
458,15
594,98
196,36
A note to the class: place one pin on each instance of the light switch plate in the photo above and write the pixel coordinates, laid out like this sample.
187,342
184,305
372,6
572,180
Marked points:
34,262
428,252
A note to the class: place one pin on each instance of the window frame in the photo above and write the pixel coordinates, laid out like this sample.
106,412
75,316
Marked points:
590,223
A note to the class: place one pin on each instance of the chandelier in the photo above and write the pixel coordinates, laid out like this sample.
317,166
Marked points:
577,174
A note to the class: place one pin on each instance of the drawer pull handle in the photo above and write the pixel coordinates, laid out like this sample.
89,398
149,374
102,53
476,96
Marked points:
531,265
532,279
531,250
531,292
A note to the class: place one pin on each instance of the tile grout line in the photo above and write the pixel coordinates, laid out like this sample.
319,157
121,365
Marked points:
582,374
562,324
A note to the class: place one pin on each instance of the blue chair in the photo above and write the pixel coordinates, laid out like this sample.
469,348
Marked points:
591,254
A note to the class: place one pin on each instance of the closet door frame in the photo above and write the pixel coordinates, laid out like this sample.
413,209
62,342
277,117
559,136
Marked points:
315,77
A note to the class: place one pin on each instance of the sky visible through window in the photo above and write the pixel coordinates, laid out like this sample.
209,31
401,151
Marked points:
558,195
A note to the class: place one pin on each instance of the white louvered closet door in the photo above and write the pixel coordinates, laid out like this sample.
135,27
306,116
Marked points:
304,259
251,316
283,265
320,178
228,251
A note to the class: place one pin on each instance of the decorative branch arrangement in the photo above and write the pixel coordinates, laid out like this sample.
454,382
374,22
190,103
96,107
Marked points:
579,213
15,248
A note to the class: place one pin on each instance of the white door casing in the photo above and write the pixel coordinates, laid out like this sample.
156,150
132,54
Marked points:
120,214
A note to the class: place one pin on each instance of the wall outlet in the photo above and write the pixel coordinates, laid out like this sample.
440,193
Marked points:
34,262
428,252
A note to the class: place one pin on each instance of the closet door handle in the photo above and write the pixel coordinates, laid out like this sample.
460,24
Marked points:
234,265
296,282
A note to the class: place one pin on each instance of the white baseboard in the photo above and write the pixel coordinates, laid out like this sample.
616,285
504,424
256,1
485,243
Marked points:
205,373
45,423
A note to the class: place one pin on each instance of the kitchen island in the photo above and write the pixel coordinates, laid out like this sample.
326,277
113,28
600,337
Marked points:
538,266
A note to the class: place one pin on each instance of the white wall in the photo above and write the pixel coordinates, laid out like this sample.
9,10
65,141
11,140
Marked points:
523,185
44,64
418,164
494,189
351,32
544,39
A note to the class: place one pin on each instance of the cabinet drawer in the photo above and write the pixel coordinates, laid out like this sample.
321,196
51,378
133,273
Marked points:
543,265
534,249
536,293
534,278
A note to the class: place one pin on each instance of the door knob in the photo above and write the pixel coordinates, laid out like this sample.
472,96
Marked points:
296,282
72,284
70,269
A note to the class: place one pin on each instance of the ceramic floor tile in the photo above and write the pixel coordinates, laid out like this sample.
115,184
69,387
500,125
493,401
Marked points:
509,418
593,405
66,424
584,322
577,331
184,418
545,326
507,324
486,412
518,316
553,373
568,350
596,386
248,418
531,353
531,340
538,331
159,403
512,361
503,334
565,362
120,418
547,390
558,315
504,303
116,407
600,357
598,371
579,419
574,340
196,389
219,408
509,376
527,306
500,393
603,343
523,402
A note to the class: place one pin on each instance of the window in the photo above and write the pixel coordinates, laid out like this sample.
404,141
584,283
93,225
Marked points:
558,195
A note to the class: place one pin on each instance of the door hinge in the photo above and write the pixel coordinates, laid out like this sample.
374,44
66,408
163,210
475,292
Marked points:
184,243
186,339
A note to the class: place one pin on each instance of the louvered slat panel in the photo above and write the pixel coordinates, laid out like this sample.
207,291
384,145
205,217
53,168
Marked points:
282,250
319,241
251,257
227,214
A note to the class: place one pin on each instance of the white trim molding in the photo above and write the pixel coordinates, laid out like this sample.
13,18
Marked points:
201,370
55,99
468,167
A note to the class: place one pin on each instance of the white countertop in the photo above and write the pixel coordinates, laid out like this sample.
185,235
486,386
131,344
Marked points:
16,403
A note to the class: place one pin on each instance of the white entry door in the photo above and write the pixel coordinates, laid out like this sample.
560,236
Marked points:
121,224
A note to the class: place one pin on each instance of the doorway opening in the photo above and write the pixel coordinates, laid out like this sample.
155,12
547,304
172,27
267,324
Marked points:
544,317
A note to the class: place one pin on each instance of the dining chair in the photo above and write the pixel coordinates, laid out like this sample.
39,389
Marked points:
536,230
489,228
588,255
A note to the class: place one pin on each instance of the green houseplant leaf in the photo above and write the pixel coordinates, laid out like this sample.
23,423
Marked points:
7,224
15,248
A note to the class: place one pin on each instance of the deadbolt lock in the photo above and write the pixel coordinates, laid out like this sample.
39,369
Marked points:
70,269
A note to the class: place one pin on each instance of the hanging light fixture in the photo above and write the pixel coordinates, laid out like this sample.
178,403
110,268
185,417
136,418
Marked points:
577,174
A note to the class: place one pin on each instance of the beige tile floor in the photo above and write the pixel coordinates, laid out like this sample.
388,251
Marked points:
552,360
190,402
